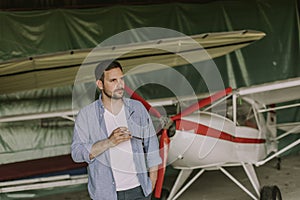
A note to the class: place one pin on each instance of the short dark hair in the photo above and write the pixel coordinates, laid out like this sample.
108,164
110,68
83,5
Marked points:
105,66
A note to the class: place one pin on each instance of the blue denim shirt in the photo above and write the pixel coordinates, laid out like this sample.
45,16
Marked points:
90,128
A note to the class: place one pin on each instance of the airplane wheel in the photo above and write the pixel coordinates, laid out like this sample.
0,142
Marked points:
270,193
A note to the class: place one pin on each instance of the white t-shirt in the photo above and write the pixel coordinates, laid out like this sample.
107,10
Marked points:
121,156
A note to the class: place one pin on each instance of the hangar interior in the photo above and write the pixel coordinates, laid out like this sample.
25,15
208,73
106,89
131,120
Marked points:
44,44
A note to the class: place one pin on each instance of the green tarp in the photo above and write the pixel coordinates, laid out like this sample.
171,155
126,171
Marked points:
26,35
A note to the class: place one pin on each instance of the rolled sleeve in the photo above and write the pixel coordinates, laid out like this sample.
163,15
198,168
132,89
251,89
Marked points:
152,157
81,147
151,144
81,152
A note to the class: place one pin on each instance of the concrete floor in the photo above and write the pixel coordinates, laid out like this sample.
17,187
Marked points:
214,185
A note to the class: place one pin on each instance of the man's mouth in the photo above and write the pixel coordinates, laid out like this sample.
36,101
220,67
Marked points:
119,90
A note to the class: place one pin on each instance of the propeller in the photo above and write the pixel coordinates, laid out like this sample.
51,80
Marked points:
135,96
202,103
165,140
166,124
164,149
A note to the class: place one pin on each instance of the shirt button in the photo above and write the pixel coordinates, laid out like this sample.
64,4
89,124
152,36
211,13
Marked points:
113,183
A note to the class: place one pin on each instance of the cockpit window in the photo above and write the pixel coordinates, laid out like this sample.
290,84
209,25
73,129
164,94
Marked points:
245,113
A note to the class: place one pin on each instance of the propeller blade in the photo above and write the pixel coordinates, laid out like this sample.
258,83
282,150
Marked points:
164,149
202,103
163,143
135,96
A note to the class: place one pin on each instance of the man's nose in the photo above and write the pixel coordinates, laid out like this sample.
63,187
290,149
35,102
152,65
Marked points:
120,82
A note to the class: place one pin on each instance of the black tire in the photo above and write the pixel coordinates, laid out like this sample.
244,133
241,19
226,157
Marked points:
270,193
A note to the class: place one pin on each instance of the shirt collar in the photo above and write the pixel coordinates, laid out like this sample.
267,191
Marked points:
126,102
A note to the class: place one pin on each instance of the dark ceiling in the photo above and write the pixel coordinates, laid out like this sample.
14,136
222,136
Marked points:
16,5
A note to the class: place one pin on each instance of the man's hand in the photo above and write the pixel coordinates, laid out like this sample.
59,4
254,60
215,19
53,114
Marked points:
119,135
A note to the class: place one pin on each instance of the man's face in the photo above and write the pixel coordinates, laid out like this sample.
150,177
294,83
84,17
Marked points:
113,84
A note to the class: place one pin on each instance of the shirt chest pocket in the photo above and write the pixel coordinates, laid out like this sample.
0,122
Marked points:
136,127
138,122
96,133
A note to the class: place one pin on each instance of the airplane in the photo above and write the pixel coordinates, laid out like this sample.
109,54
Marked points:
223,134
208,140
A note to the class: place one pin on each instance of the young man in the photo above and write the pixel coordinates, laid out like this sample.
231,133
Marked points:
115,136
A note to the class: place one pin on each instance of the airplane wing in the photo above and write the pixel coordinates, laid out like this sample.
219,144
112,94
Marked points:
272,93
53,70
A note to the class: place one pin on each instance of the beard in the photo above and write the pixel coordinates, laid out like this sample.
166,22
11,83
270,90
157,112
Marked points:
116,94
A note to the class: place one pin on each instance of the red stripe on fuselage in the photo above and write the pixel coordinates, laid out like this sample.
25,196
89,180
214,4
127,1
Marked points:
185,125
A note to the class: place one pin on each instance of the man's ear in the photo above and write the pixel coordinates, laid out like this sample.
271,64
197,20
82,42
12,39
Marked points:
99,84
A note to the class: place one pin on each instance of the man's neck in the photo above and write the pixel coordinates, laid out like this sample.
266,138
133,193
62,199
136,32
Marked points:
112,105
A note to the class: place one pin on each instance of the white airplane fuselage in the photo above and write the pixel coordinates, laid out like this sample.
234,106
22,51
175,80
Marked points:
223,143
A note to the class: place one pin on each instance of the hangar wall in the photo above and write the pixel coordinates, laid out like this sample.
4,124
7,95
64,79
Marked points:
28,33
